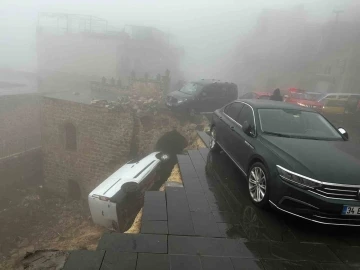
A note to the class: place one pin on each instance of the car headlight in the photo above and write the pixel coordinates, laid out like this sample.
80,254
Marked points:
182,100
297,179
302,104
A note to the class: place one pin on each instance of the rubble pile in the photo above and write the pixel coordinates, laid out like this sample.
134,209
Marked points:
139,104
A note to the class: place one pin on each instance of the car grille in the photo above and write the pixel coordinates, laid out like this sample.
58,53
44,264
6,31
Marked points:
342,192
171,99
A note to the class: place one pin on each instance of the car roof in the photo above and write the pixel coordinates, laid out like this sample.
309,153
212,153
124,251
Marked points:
130,172
270,104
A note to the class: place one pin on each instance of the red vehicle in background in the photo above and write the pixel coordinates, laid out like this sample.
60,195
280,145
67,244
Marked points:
300,97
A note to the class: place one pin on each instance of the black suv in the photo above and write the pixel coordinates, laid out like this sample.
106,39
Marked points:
202,96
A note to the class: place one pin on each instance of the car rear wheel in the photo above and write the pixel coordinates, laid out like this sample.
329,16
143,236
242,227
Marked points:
213,144
258,185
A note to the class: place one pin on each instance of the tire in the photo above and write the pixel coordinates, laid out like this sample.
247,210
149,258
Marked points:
130,188
214,146
258,185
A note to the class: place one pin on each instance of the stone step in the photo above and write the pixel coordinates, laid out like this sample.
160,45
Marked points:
204,137
127,242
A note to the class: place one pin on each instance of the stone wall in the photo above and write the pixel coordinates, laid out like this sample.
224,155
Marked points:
20,171
103,140
19,121
153,127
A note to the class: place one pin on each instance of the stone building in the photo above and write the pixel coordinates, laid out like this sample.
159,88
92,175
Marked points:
84,143
20,153
19,123
74,49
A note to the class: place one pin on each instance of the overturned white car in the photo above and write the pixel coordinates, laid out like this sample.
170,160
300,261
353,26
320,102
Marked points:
116,201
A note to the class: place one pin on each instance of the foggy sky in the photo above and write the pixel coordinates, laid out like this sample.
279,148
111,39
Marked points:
208,30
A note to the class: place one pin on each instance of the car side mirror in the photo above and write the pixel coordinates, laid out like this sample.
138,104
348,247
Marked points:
343,133
248,129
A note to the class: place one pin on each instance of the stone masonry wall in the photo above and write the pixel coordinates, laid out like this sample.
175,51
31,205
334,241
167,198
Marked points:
103,143
19,120
153,127
20,171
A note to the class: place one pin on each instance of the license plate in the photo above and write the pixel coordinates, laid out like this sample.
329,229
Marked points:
351,210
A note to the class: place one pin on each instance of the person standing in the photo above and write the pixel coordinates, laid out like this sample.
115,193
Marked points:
276,96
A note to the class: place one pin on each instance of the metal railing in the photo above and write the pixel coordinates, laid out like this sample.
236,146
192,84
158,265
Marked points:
17,146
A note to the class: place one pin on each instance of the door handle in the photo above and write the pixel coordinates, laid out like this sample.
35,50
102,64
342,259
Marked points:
232,128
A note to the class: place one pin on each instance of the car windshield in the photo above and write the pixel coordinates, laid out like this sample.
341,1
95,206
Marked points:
190,88
296,124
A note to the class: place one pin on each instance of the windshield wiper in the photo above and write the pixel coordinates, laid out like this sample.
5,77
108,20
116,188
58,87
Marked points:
278,134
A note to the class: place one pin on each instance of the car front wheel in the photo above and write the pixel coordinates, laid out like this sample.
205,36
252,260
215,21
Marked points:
258,185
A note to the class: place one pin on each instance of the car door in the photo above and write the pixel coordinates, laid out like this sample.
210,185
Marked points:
206,100
242,143
231,112
221,95
231,92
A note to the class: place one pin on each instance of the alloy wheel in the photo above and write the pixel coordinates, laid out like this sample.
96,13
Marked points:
257,184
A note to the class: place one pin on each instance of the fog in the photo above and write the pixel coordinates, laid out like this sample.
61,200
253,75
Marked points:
82,96
209,31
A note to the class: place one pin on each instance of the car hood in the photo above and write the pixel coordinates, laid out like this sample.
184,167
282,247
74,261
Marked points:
327,161
179,95
307,102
